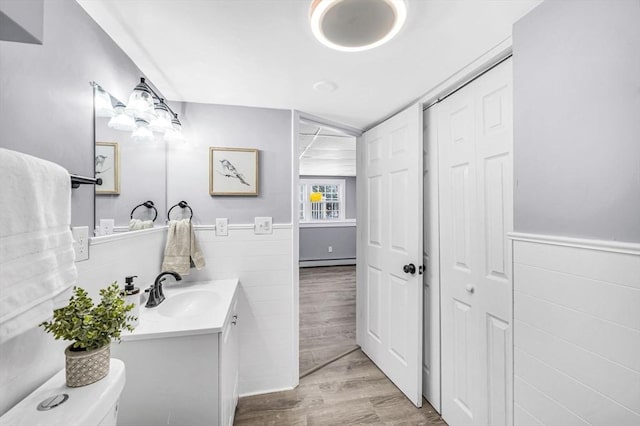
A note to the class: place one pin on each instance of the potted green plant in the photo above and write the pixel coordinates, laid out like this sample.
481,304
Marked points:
91,329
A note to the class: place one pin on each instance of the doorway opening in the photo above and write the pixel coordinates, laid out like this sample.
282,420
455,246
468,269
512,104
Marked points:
326,197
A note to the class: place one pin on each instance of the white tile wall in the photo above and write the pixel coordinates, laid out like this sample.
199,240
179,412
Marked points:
264,266
576,332
30,359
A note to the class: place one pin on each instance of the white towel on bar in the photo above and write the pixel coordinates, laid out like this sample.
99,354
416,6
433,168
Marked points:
37,266
182,249
137,224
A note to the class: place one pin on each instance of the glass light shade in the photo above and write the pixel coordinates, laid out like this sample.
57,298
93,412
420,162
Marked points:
162,122
142,132
315,197
175,134
140,103
103,105
120,120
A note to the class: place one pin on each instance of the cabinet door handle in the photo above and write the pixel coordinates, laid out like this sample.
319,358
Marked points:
235,320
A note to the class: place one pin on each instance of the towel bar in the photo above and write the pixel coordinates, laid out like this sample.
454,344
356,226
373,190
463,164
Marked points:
77,180
148,204
181,204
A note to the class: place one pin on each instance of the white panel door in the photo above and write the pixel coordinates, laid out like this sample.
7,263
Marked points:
390,234
475,139
431,260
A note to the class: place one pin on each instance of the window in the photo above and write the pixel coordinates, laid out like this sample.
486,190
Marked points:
332,205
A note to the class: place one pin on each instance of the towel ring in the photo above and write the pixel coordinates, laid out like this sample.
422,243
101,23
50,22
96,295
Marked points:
181,204
149,205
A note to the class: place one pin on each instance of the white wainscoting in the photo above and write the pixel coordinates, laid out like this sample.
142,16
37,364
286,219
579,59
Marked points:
576,331
30,359
263,264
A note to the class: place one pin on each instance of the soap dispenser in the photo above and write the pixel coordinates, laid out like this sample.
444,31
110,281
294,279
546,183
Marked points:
132,296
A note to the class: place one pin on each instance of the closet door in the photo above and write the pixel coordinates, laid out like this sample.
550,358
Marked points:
475,140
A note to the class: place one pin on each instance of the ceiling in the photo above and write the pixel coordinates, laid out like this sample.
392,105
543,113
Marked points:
262,53
325,152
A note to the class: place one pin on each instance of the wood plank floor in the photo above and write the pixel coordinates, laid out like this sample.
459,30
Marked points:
327,314
349,391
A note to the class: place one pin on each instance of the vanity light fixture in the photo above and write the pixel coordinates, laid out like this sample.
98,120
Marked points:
142,132
356,25
121,121
145,104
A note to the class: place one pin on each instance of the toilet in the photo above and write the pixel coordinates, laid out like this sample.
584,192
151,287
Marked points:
92,405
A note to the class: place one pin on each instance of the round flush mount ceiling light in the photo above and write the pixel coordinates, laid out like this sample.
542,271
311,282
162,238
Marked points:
356,25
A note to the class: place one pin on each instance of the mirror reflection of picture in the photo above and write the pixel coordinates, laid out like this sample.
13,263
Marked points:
107,167
233,171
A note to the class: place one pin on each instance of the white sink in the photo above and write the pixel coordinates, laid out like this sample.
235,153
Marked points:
189,304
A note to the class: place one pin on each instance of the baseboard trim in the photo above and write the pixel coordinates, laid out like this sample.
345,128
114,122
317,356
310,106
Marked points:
599,245
242,395
327,262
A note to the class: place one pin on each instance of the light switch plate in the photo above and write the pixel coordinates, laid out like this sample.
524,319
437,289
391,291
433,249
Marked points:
263,225
222,229
81,242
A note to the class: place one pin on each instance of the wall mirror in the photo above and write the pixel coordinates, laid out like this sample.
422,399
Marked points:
131,160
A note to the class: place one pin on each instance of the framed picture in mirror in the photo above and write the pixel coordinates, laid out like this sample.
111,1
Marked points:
108,168
233,171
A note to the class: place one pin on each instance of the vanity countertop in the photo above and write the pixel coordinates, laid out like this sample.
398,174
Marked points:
199,307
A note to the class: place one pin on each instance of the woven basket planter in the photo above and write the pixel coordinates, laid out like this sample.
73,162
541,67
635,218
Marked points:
86,367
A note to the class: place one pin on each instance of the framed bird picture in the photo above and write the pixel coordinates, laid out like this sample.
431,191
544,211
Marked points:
233,171
108,168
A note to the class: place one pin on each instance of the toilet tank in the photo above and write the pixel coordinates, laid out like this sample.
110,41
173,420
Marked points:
94,404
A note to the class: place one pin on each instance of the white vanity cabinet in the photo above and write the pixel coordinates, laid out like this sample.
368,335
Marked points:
183,370
229,377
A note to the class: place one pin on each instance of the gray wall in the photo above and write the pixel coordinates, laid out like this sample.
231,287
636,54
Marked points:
21,20
577,120
315,241
204,125
46,106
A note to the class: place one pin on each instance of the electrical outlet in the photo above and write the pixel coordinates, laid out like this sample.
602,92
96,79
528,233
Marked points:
221,227
106,226
330,249
263,225
81,242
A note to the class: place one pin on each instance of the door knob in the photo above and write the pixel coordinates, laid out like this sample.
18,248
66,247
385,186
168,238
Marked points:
470,288
409,269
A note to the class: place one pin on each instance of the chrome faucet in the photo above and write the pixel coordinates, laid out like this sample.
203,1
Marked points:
156,295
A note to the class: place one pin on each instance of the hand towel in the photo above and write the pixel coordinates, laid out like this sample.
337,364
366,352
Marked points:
182,249
137,224
36,247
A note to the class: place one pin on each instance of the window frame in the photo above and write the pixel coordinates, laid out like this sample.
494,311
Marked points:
307,184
